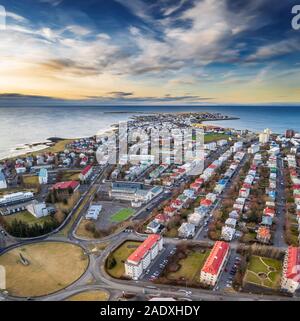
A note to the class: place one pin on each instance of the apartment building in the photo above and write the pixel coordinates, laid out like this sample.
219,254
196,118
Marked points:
16,198
290,280
215,262
142,257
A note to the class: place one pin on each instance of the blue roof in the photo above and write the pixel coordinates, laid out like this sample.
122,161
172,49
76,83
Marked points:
267,220
2,177
43,172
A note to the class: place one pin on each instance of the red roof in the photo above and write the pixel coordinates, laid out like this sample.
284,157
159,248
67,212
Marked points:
66,185
199,181
206,202
293,263
144,248
181,170
212,166
176,202
169,209
215,259
264,232
246,185
296,186
269,211
86,169
161,217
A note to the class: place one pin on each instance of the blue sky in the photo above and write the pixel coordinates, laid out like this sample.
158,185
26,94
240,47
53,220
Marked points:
149,52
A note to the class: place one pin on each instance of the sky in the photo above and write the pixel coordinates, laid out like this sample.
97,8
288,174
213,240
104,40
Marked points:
106,52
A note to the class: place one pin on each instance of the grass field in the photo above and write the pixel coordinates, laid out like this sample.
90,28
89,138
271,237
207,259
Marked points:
52,267
122,215
264,272
70,176
121,254
66,229
190,267
90,296
214,137
82,232
31,180
26,217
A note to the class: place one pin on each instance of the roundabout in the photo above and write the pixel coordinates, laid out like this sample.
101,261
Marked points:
40,269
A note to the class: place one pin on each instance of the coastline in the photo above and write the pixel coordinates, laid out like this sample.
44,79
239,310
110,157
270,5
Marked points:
27,149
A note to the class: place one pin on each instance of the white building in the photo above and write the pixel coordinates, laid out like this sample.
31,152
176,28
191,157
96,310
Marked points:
213,265
153,227
264,137
231,222
16,198
142,257
254,149
93,212
236,147
228,233
37,209
86,173
134,192
290,280
196,218
187,230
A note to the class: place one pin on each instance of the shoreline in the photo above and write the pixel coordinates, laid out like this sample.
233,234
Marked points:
32,148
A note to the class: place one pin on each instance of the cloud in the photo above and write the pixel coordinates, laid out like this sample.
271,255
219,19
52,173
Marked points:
52,2
276,49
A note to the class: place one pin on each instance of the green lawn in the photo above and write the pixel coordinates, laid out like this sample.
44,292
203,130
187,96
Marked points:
122,215
26,217
258,264
214,137
120,255
190,267
70,176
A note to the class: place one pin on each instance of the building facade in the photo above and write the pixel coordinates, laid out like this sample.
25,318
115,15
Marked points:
290,280
213,265
142,257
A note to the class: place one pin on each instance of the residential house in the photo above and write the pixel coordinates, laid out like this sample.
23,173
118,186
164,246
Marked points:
187,230
227,233
263,235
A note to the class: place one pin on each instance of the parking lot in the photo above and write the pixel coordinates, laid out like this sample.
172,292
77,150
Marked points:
159,263
227,277
108,210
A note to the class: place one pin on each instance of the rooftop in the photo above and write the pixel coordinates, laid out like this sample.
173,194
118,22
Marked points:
144,248
215,258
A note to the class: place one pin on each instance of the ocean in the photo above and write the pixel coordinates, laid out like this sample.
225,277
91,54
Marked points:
23,125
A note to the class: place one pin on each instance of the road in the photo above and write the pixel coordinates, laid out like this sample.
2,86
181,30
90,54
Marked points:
101,280
279,239
202,232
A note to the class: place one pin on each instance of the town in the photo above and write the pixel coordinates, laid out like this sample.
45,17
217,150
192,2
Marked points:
154,228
